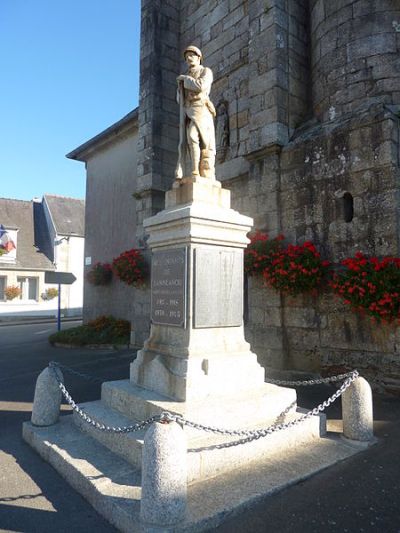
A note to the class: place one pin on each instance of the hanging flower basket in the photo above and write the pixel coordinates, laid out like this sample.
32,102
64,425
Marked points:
260,252
99,274
296,269
131,268
50,293
12,291
370,286
292,269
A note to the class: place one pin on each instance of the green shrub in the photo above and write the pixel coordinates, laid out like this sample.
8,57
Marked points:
102,330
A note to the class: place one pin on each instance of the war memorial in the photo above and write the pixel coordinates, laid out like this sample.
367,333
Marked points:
306,140
196,432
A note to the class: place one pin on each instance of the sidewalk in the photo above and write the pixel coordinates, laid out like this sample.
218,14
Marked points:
21,320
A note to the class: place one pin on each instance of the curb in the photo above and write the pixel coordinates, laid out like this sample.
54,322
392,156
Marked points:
27,321
92,346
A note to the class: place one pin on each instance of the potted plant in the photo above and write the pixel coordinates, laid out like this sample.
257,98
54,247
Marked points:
370,286
292,269
12,291
50,293
99,274
131,268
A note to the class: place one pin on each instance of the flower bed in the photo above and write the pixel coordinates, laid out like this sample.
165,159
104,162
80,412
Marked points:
102,330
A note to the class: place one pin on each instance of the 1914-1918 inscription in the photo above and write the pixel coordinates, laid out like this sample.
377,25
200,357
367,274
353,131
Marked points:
168,287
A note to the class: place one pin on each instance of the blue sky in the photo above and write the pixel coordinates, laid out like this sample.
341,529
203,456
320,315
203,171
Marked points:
68,70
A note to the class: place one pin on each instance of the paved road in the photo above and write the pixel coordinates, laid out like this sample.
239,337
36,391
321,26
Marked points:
33,497
361,494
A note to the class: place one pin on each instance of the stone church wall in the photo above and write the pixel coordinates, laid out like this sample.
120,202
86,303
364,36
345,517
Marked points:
308,98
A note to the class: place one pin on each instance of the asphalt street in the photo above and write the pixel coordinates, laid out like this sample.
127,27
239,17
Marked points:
33,497
361,494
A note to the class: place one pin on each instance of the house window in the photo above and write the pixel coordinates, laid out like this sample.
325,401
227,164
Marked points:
3,284
29,288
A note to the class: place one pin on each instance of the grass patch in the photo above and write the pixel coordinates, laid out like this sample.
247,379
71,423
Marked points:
102,330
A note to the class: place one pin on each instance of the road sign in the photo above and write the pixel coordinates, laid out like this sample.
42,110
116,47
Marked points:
61,278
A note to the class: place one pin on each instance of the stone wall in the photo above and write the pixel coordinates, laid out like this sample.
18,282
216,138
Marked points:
355,54
312,99
158,111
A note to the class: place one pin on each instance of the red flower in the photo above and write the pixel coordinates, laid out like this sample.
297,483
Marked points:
293,269
99,274
130,267
370,285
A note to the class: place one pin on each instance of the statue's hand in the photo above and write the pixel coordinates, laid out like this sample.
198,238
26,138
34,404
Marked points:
178,172
181,77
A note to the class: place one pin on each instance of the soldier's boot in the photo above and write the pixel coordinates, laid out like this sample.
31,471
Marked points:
195,159
207,164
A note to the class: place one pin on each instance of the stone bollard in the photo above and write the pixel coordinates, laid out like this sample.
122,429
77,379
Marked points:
164,475
47,400
357,411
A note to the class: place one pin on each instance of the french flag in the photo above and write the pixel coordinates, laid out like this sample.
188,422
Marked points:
5,241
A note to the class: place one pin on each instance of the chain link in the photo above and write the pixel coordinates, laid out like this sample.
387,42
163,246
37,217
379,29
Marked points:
305,383
258,433
166,417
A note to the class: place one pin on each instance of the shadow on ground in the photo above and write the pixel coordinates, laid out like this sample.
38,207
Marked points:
33,497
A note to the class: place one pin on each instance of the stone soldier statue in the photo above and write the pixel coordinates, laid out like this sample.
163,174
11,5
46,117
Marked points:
196,129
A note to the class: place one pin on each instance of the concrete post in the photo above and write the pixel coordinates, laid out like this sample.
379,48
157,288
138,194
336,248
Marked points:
164,475
357,411
47,399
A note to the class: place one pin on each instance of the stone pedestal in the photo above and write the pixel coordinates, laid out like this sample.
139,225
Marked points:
196,347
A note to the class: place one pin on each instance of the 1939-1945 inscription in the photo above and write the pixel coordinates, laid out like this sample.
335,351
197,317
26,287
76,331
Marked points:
168,287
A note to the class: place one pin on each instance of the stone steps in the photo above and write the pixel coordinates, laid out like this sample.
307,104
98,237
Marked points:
262,404
112,485
205,460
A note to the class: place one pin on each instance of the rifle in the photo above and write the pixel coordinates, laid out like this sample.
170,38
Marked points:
181,146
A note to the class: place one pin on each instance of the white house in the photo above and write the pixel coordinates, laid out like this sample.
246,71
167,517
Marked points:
38,236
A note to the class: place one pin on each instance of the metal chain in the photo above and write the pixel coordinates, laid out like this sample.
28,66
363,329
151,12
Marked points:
70,370
258,433
308,382
167,417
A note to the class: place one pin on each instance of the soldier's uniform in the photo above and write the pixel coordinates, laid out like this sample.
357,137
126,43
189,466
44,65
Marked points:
199,112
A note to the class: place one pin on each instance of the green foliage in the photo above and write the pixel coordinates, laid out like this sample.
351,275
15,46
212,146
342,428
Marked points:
102,330
370,286
260,252
292,269
99,274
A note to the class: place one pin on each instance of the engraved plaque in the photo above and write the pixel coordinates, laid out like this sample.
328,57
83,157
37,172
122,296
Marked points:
218,294
168,287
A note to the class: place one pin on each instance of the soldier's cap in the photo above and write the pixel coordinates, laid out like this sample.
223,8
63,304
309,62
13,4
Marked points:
193,49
